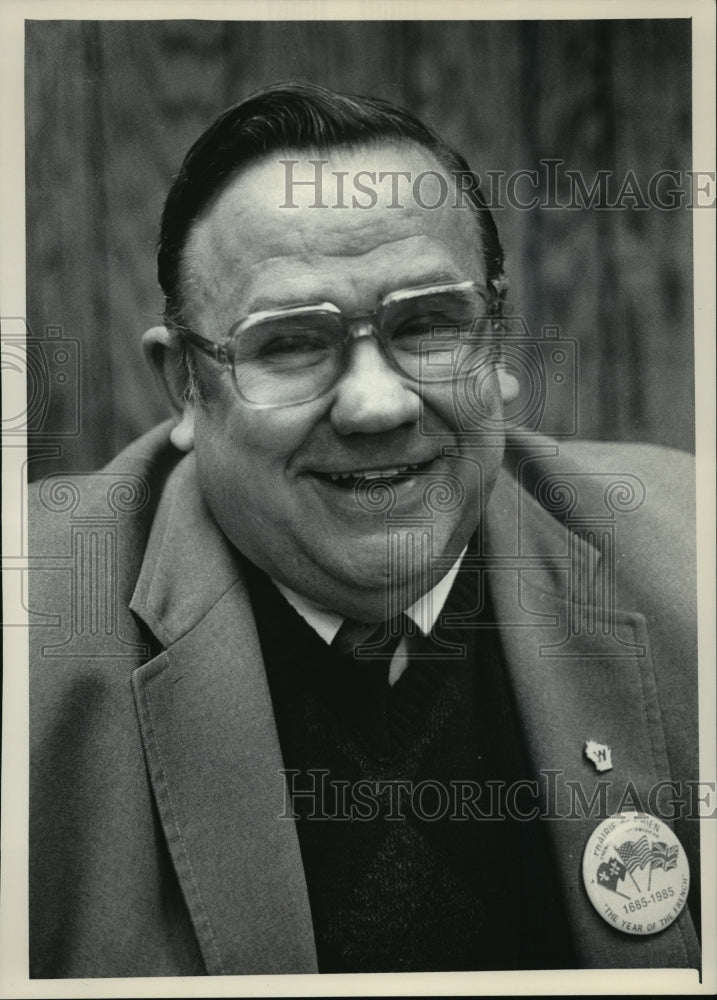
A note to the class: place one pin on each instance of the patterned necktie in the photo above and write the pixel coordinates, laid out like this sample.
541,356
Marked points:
363,654
363,643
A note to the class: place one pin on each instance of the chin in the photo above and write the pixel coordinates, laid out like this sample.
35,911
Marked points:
375,585
367,573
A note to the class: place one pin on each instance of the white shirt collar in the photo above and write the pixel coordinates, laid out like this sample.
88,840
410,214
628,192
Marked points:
424,612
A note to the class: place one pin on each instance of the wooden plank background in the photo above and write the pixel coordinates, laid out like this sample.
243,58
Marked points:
111,108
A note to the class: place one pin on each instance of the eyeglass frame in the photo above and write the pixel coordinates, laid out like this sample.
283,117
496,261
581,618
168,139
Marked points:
222,351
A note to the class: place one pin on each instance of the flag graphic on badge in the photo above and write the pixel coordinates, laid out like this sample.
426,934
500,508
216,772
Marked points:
635,853
609,873
663,856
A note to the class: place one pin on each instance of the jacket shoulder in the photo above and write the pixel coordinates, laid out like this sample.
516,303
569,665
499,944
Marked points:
665,473
126,489
578,479
87,534
637,499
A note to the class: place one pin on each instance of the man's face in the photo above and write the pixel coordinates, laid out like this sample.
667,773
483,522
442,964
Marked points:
266,474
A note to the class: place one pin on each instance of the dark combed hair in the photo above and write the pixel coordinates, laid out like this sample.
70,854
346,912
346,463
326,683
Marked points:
298,117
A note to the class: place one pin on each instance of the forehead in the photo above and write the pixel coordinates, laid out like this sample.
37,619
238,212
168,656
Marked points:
350,226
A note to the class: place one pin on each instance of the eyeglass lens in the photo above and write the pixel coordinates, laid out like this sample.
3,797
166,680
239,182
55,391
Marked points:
295,357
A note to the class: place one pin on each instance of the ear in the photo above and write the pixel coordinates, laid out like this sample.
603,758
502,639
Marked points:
162,349
507,383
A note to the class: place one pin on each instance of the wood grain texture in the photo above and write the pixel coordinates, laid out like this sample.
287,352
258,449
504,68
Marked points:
111,108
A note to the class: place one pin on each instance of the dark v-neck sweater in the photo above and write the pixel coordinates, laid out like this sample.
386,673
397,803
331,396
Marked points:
411,858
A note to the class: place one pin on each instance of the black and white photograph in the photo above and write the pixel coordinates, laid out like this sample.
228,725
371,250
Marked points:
358,517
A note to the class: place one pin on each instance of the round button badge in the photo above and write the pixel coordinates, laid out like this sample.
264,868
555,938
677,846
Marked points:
636,873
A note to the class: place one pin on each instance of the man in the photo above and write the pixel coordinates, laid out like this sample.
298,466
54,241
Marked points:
339,678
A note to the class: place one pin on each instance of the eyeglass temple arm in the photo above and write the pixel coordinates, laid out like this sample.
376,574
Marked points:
208,347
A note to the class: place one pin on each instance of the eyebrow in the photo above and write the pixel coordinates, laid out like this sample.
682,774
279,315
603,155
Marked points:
266,302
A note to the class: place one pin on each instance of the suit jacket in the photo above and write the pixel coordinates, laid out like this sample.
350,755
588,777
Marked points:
155,845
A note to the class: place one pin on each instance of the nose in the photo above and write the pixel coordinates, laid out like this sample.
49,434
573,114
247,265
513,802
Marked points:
371,396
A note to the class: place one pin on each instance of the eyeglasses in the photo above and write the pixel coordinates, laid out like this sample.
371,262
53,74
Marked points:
286,356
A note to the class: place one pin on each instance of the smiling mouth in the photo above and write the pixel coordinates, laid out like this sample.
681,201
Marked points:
349,480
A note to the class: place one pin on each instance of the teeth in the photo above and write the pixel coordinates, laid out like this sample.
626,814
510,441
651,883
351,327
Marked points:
381,474
374,473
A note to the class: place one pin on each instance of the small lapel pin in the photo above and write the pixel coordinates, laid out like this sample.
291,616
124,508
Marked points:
599,754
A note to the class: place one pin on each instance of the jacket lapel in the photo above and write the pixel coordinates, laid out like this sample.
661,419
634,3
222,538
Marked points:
212,751
578,675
